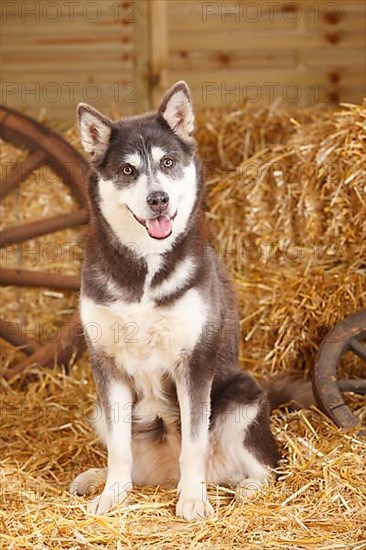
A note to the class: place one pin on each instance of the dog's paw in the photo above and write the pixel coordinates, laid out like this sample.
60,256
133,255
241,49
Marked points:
193,509
247,488
105,501
87,482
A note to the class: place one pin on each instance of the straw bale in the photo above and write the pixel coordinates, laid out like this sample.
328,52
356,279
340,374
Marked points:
286,207
287,211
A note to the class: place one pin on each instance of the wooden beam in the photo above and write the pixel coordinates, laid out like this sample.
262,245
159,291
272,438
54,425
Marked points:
158,50
142,56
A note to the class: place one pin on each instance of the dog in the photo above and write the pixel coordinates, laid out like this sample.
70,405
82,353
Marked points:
161,322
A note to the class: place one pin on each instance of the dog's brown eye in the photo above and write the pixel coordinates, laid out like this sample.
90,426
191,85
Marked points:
167,163
127,169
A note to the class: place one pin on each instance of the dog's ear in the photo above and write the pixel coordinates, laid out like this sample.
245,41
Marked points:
95,131
176,108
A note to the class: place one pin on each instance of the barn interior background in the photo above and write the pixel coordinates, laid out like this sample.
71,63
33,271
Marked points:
278,87
124,54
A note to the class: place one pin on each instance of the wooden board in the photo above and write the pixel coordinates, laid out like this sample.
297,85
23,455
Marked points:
53,57
317,45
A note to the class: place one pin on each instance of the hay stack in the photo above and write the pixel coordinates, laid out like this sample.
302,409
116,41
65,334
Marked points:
286,207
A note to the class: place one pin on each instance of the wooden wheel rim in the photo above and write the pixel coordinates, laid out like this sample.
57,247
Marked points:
45,147
346,336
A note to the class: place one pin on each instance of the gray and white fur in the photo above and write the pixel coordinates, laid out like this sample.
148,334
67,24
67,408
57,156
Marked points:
161,321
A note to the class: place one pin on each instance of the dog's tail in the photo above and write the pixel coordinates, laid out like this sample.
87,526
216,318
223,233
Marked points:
295,392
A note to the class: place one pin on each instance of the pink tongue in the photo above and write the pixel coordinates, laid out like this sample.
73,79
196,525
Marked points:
159,227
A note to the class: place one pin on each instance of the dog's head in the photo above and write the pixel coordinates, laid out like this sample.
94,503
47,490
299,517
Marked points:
146,185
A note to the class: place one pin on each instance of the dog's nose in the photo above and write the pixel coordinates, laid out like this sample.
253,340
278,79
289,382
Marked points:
158,200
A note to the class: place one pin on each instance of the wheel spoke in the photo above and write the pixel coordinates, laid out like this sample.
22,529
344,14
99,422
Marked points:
32,230
357,348
11,332
10,277
67,346
22,171
356,385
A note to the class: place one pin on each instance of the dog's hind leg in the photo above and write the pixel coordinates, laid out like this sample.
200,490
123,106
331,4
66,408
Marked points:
242,447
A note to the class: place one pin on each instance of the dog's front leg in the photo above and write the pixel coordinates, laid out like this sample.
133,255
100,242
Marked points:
194,407
117,410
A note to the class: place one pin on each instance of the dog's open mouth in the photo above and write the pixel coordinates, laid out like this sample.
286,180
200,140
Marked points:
159,227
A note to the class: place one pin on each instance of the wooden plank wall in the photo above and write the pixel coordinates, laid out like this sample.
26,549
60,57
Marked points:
56,54
120,55
301,52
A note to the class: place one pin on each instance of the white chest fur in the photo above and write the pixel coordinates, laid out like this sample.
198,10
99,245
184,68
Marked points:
145,340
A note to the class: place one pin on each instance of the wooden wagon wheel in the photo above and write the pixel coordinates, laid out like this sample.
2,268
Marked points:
349,335
45,148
